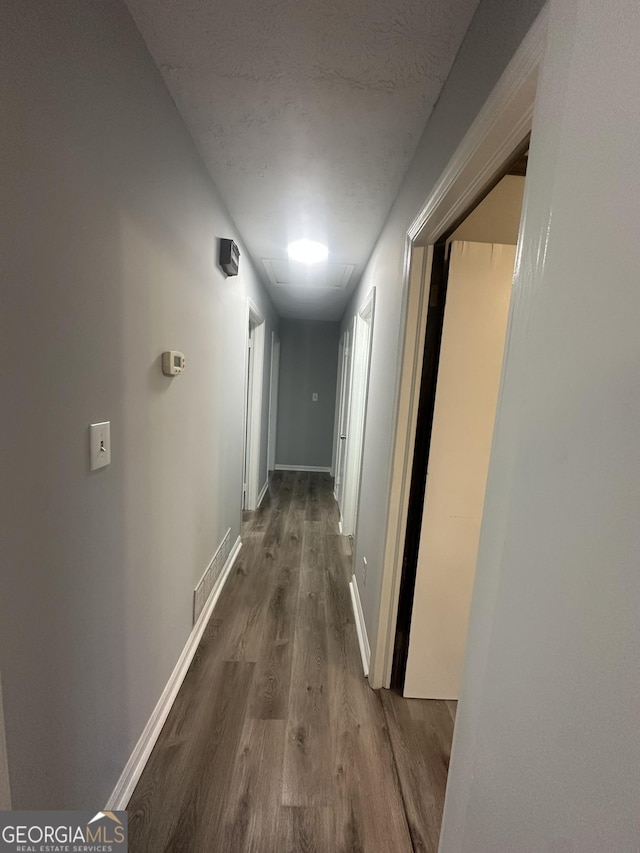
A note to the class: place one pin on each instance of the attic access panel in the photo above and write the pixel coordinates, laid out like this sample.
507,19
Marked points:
325,276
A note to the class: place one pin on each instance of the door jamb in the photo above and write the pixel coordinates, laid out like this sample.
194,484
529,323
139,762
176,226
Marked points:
498,130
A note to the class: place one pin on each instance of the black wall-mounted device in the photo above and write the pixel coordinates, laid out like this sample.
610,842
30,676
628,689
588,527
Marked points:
229,256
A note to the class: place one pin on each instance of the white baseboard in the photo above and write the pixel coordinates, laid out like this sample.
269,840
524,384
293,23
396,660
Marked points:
303,468
135,765
361,628
263,492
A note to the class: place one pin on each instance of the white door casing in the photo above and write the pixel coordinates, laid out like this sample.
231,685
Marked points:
500,128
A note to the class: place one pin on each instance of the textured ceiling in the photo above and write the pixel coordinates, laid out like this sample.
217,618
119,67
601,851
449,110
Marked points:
307,114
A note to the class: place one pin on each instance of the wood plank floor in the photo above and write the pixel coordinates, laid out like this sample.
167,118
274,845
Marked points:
276,743
421,731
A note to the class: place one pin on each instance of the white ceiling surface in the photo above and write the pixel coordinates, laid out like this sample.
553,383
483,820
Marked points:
307,114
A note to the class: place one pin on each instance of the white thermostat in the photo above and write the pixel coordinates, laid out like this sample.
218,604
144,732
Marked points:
172,363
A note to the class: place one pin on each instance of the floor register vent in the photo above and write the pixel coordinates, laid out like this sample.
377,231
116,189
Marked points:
213,571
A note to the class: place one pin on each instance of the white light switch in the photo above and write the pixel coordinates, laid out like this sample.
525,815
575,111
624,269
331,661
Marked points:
314,397
100,444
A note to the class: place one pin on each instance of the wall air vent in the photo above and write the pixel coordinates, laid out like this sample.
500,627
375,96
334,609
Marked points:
212,573
325,276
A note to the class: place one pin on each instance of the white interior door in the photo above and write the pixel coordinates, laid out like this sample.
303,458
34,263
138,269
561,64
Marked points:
247,419
253,408
475,322
273,399
359,386
343,418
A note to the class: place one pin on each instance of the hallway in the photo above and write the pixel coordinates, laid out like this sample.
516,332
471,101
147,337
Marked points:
276,742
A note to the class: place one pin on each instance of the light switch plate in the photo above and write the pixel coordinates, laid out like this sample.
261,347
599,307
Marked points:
100,444
314,397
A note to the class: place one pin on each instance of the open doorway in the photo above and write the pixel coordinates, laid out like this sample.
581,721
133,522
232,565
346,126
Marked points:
253,407
498,134
500,131
469,300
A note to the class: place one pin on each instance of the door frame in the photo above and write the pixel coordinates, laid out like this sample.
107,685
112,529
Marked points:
253,406
274,379
499,129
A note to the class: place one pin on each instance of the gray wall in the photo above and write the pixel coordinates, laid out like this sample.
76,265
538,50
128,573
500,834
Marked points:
308,364
108,247
497,29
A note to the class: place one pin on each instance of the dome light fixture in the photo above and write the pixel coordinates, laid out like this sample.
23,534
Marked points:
307,251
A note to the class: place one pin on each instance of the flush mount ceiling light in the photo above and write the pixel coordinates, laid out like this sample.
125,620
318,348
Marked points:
307,251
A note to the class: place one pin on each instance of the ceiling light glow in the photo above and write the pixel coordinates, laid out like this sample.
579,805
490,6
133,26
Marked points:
307,251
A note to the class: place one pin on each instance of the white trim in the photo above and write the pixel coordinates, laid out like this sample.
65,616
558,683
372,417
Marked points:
361,628
499,128
322,469
410,372
263,492
135,765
